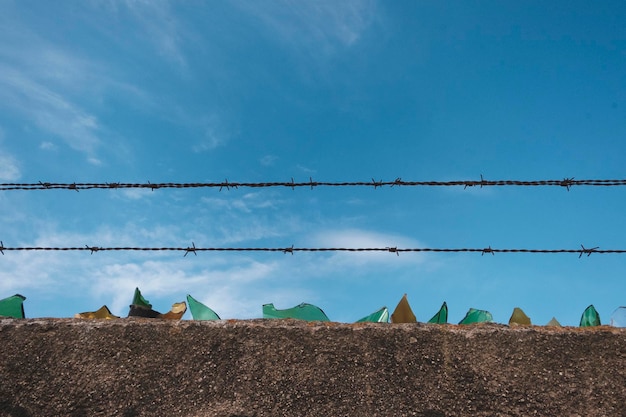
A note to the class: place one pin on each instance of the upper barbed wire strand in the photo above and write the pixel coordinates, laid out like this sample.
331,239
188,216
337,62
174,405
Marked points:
566,182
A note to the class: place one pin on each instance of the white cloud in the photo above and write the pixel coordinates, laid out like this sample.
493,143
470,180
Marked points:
47,146
9,170
246,203
306,170
94,161
268,160
137,193
320,25
49,110
226,289
214,136
161,28
357,238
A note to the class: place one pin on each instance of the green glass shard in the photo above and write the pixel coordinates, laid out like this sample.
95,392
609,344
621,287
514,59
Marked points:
442,315
590,317
13,306
199,311
403,312
554,322
380,316
518,317
477,316
304,311
138,300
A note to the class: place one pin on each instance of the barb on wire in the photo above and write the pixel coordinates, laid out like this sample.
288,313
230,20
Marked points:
191,249
567,183
1,247
587,251
394,249
482,181
488,250
226,184
473,183
288,250
92,248
377,183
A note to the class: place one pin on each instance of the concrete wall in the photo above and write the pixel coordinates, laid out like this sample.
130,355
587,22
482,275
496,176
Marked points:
132,367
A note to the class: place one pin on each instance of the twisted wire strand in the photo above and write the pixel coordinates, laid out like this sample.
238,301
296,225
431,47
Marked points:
193,249
566,183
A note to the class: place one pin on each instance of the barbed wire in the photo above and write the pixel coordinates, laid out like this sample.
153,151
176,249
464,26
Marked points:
291,250
398,182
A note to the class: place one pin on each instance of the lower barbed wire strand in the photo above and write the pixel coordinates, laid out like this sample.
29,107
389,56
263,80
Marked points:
292,249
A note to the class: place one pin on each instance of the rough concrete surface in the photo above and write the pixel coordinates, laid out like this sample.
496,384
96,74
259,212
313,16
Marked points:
149,367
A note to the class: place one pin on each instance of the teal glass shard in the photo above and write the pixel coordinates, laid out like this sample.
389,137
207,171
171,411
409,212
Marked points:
12,306
304,311
199,311
590,317
442,315
380,316
477,316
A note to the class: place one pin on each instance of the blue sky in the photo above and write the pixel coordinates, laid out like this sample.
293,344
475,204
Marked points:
256,91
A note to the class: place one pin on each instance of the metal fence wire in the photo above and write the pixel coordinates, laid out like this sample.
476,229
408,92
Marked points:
291,250
398,182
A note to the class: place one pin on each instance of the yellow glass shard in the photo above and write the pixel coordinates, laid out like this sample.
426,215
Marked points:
519,318
403,312
101,313
554,322
176,313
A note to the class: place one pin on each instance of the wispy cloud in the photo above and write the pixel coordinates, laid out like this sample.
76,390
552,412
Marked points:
234,284
49,110
9,167
246,203
305,169
359,238
210,141
9,170
268,160
227,288
47,146
161,28
324,24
